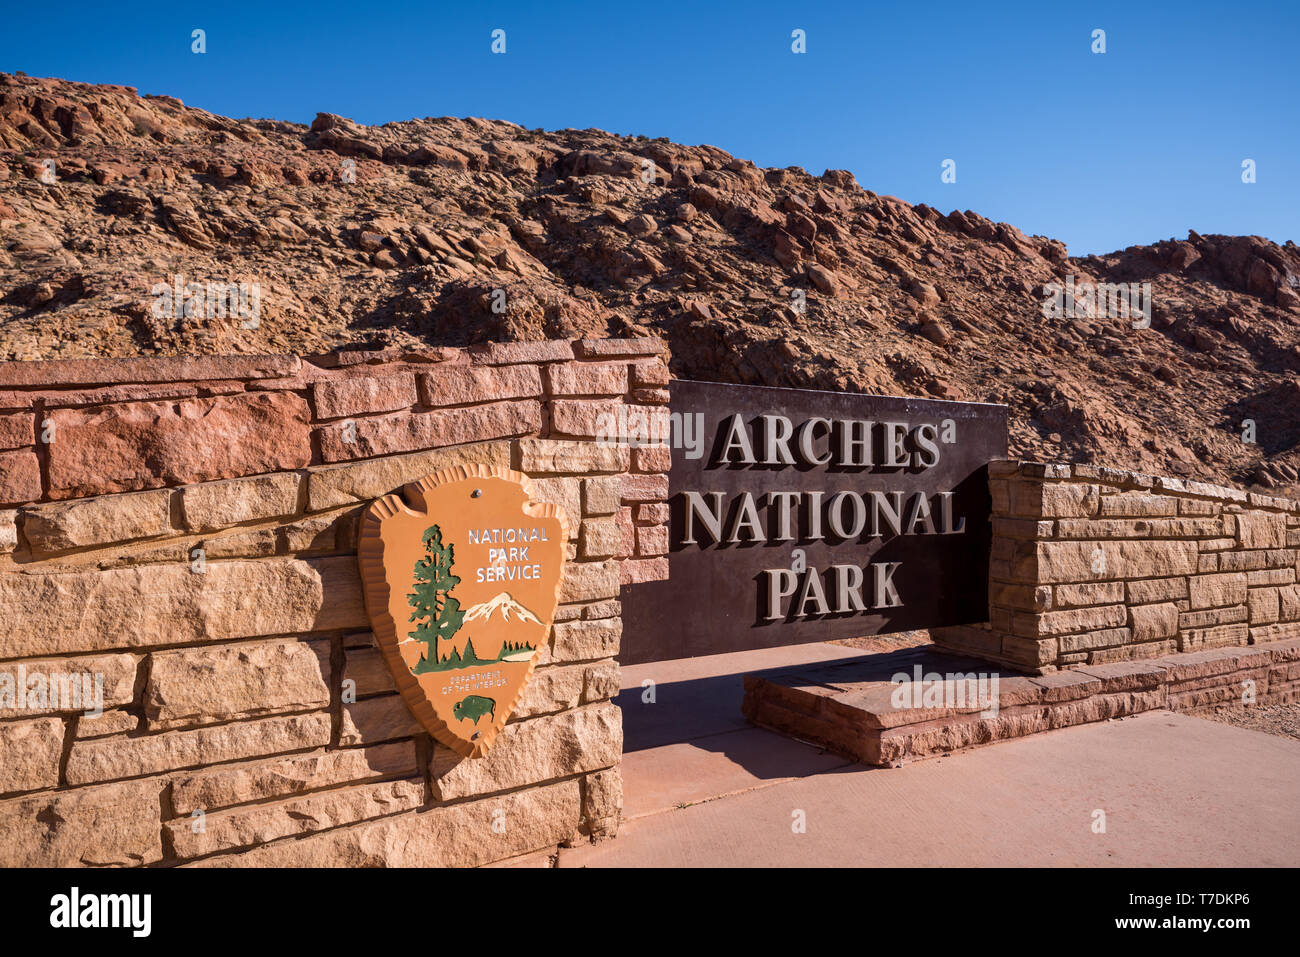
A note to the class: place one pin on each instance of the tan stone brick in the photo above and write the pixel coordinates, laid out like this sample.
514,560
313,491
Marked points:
68,684
551,689
1213,591
1193,639
533,751
1089,593
105,759
589,581
8,530
1212,616
249,543
584,640
1137,505
373,720
193,686
262,823
321,533
600,538
602,802
1271,576
214,505
110,722
1053,500
600,682
1261,530
600,496
560,457
334,485
1091,640
97,521
1052,562
1076,619
155,605
114,825
1154,622
1264,606
1021,597
566,493
460,835
369,672
30,753
1289,599
1196,506
226,786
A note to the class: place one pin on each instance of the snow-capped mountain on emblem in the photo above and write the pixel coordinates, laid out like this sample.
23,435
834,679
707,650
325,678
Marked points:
506,603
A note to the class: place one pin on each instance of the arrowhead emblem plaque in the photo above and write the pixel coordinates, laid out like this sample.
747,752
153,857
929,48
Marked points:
461,574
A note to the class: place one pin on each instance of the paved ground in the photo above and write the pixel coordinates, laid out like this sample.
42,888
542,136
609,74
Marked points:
702,787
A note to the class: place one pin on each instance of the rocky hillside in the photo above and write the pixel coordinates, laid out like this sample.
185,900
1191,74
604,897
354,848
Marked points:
453,231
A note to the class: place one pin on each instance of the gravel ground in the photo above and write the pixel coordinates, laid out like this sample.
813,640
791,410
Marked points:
902,639
1279,719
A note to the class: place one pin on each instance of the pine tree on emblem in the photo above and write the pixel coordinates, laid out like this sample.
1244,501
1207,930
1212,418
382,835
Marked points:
438,613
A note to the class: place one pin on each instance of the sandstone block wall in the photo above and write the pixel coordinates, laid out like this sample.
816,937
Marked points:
1092,565
185,531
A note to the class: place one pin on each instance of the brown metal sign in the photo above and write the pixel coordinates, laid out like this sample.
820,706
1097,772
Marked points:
801,516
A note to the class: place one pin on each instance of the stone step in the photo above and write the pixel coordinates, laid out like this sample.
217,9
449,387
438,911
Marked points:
890,709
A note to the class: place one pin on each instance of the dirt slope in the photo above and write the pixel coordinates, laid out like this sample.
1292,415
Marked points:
398,235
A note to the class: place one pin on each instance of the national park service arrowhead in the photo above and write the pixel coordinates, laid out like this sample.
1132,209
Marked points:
462,575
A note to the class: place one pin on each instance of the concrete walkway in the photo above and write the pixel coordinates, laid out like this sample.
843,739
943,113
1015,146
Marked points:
704,788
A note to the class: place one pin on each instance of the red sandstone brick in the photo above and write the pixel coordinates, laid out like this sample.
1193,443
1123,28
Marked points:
511,353
649,374
636,571
20,477
652,540
603,348
585,418
152,444
652,458
362,395
391,434
52,372
17,431
465,385
654,513
586,378
645,488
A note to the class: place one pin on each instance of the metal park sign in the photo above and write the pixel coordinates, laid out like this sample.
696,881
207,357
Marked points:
801,516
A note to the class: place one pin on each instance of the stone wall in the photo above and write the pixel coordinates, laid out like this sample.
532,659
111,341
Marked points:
186,530
1093,565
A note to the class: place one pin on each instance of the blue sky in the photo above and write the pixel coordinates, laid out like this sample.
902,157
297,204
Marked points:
1102,151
